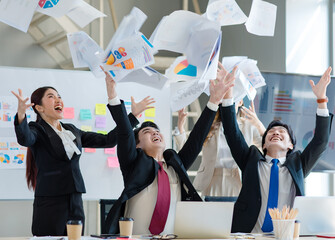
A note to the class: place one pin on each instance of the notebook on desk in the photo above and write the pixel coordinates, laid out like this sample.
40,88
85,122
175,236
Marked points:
316,215
203,219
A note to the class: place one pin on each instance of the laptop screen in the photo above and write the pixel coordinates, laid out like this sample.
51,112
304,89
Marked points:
316,215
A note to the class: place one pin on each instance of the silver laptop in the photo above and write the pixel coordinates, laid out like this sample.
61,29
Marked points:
203,219
316,215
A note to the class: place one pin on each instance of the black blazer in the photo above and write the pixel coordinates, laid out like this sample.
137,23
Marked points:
298,163
56,174
139,170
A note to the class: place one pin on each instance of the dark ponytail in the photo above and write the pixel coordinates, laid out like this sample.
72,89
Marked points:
31,169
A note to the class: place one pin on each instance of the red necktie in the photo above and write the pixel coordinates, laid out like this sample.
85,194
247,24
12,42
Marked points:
161,211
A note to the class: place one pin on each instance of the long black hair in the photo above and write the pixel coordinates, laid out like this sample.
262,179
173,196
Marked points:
31,169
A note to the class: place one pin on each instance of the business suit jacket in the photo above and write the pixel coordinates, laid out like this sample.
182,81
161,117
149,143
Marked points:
139,170
57,175
298,163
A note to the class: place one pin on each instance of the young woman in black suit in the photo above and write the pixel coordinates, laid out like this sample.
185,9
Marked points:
54,149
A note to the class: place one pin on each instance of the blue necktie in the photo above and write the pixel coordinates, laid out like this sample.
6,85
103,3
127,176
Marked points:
273,196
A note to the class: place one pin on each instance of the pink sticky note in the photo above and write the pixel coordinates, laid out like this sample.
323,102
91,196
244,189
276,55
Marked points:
110,150
113,162
90,150
68,113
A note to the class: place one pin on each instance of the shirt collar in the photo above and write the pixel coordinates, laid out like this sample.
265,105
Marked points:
268,159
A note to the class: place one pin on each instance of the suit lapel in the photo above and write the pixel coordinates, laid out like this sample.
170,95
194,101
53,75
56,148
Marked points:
55,141
290,163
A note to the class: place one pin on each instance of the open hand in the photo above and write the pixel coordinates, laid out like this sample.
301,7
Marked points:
138,108
320,88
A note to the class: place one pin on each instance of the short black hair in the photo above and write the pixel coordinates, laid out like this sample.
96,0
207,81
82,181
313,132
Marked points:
276,123
143,125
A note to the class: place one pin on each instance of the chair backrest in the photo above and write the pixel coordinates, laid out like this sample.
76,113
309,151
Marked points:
105,206
220,199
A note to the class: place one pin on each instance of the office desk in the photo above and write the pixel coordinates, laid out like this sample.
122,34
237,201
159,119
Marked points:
257,238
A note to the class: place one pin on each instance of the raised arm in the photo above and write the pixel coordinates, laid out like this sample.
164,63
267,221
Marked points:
319,142
22,105
180,138
235,139
126,141
218,88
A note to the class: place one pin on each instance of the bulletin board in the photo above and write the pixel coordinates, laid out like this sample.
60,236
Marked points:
82,93
289,97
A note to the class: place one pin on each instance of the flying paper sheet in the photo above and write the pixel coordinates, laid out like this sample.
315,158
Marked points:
262,18
247,78
128,51
225,12
129,25
83,14
146,76
252,73
176,31
184,93
85,52
56,8
17,13
132,53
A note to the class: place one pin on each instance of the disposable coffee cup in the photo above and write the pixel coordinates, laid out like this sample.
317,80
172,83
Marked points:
126,226
74,228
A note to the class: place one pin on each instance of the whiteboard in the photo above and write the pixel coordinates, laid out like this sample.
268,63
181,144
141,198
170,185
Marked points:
80,90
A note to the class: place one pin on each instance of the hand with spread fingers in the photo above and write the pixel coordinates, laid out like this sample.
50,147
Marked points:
138,108
251,116
22,105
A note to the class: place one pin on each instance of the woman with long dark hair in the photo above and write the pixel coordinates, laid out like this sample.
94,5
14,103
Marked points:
54,149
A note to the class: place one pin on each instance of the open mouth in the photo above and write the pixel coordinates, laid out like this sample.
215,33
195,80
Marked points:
59,108
275,139
156,139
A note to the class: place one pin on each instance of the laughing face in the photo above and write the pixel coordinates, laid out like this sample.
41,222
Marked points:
52,105
277,139
150,139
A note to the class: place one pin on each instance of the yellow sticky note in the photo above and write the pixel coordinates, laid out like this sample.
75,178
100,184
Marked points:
150,112
86,128
100,109
102,132
149,120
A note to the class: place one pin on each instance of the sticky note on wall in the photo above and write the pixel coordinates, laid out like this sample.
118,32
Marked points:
90,150
100,121
68,113
85,114
150,112
113,162
86,128
110,150
100,109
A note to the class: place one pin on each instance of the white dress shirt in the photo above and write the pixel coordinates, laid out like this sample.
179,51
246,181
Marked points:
67,138
141,206
286,190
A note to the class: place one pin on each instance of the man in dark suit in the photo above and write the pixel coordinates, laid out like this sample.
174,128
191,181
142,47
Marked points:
142,157
265,183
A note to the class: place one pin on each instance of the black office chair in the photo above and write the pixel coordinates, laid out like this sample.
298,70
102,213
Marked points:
220,199
105,206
